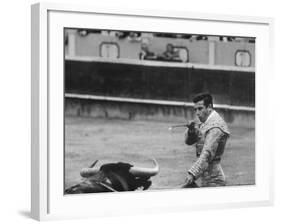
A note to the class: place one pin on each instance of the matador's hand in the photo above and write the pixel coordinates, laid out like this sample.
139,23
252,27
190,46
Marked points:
191,124
189,180
191,134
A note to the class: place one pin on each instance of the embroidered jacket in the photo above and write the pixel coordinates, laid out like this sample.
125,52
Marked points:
210,138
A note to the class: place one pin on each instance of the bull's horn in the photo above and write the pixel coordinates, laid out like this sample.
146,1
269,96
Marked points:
93,164
87,172
145,172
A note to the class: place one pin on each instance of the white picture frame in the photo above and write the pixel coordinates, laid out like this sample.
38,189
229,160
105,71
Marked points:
48,201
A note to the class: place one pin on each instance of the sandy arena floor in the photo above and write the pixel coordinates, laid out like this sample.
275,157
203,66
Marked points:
88,139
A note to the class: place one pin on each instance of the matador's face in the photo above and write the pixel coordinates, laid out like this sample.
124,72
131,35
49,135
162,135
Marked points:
201,111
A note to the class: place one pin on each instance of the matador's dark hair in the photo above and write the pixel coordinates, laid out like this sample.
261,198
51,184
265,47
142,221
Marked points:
206,97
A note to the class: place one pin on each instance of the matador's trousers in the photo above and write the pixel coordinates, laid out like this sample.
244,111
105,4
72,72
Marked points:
213,176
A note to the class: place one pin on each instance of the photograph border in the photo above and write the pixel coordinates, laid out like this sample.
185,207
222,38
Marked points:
40,84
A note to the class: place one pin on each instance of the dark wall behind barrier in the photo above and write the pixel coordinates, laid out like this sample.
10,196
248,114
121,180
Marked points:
163,83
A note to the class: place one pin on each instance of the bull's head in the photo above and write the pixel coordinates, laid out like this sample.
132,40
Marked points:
114,177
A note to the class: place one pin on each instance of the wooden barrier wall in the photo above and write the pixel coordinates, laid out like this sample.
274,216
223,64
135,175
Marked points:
159,82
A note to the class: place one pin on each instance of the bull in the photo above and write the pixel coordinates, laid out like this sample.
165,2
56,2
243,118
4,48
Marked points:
113,177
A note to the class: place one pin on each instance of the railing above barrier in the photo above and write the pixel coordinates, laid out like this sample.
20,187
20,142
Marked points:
159,63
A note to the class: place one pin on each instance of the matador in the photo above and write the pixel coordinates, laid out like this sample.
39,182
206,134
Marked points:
209,135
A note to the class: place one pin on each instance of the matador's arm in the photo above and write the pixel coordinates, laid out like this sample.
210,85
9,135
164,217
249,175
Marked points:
208,152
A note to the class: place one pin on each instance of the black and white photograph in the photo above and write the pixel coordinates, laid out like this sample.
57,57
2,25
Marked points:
144,111
150,111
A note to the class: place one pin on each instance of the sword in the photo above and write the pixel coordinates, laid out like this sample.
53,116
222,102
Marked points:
179,125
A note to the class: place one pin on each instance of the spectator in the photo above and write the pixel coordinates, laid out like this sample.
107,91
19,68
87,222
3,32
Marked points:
134,37
146,54
122,34
146,37
170,54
